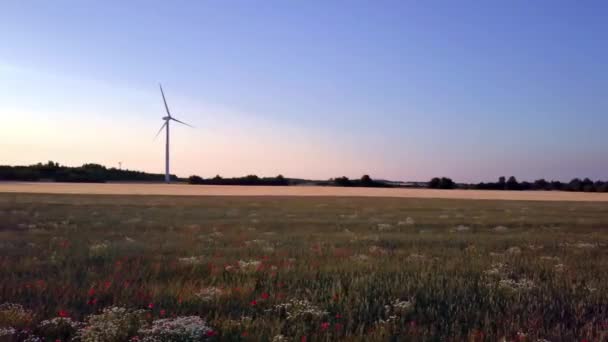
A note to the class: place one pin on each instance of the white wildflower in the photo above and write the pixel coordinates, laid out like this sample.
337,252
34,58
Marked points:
296,310
360,257
182,328
585,245
590,288
99,249
514,250
209,294
249,266
378,250
460,228
408,222
385,227
15,315
497,269
112,324
522,284
8,331
398,305
216,234
59,326
535,247
414,257
193,260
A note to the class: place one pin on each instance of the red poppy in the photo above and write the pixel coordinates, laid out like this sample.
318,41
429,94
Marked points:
63,313
265,295
253,302
211,333
91,292
324,325
151,306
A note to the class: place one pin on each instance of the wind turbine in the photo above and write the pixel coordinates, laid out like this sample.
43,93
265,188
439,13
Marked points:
167,119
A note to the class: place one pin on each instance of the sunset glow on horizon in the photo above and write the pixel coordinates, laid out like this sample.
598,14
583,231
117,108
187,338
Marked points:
399,91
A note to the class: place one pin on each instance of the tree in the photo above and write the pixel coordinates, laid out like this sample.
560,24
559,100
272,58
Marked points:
501,182
512,184
194,179
540,184
280,180
575,185
446,183
434,183
343,181
366,180
588,185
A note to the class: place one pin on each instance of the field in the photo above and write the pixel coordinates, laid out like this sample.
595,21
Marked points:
331,191
119,268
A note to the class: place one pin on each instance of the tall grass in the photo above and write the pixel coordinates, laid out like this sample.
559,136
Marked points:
357,269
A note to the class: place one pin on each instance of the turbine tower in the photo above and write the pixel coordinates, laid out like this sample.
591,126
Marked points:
167,119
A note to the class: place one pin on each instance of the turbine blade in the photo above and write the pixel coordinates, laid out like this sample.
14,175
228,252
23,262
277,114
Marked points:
183,123
160,130
164,100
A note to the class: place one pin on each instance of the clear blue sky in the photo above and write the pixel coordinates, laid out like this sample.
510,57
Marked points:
397,89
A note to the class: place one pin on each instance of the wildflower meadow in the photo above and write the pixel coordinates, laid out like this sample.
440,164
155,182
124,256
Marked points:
171,268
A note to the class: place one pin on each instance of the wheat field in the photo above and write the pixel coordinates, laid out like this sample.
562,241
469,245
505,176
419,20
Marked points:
314,191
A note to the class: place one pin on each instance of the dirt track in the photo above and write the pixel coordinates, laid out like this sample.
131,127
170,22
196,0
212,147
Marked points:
217,190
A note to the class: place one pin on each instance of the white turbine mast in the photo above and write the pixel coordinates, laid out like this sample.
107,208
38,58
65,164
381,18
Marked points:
167,119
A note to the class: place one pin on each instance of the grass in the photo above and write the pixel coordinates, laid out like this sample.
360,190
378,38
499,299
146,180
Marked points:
357,269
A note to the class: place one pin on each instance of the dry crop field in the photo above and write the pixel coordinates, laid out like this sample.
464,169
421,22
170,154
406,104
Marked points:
172,268
161,189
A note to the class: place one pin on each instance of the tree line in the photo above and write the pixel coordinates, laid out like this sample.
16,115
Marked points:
364,181
511,183
90,173
247,180
96,173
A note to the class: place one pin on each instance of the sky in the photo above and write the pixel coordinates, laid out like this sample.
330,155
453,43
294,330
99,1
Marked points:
400,90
